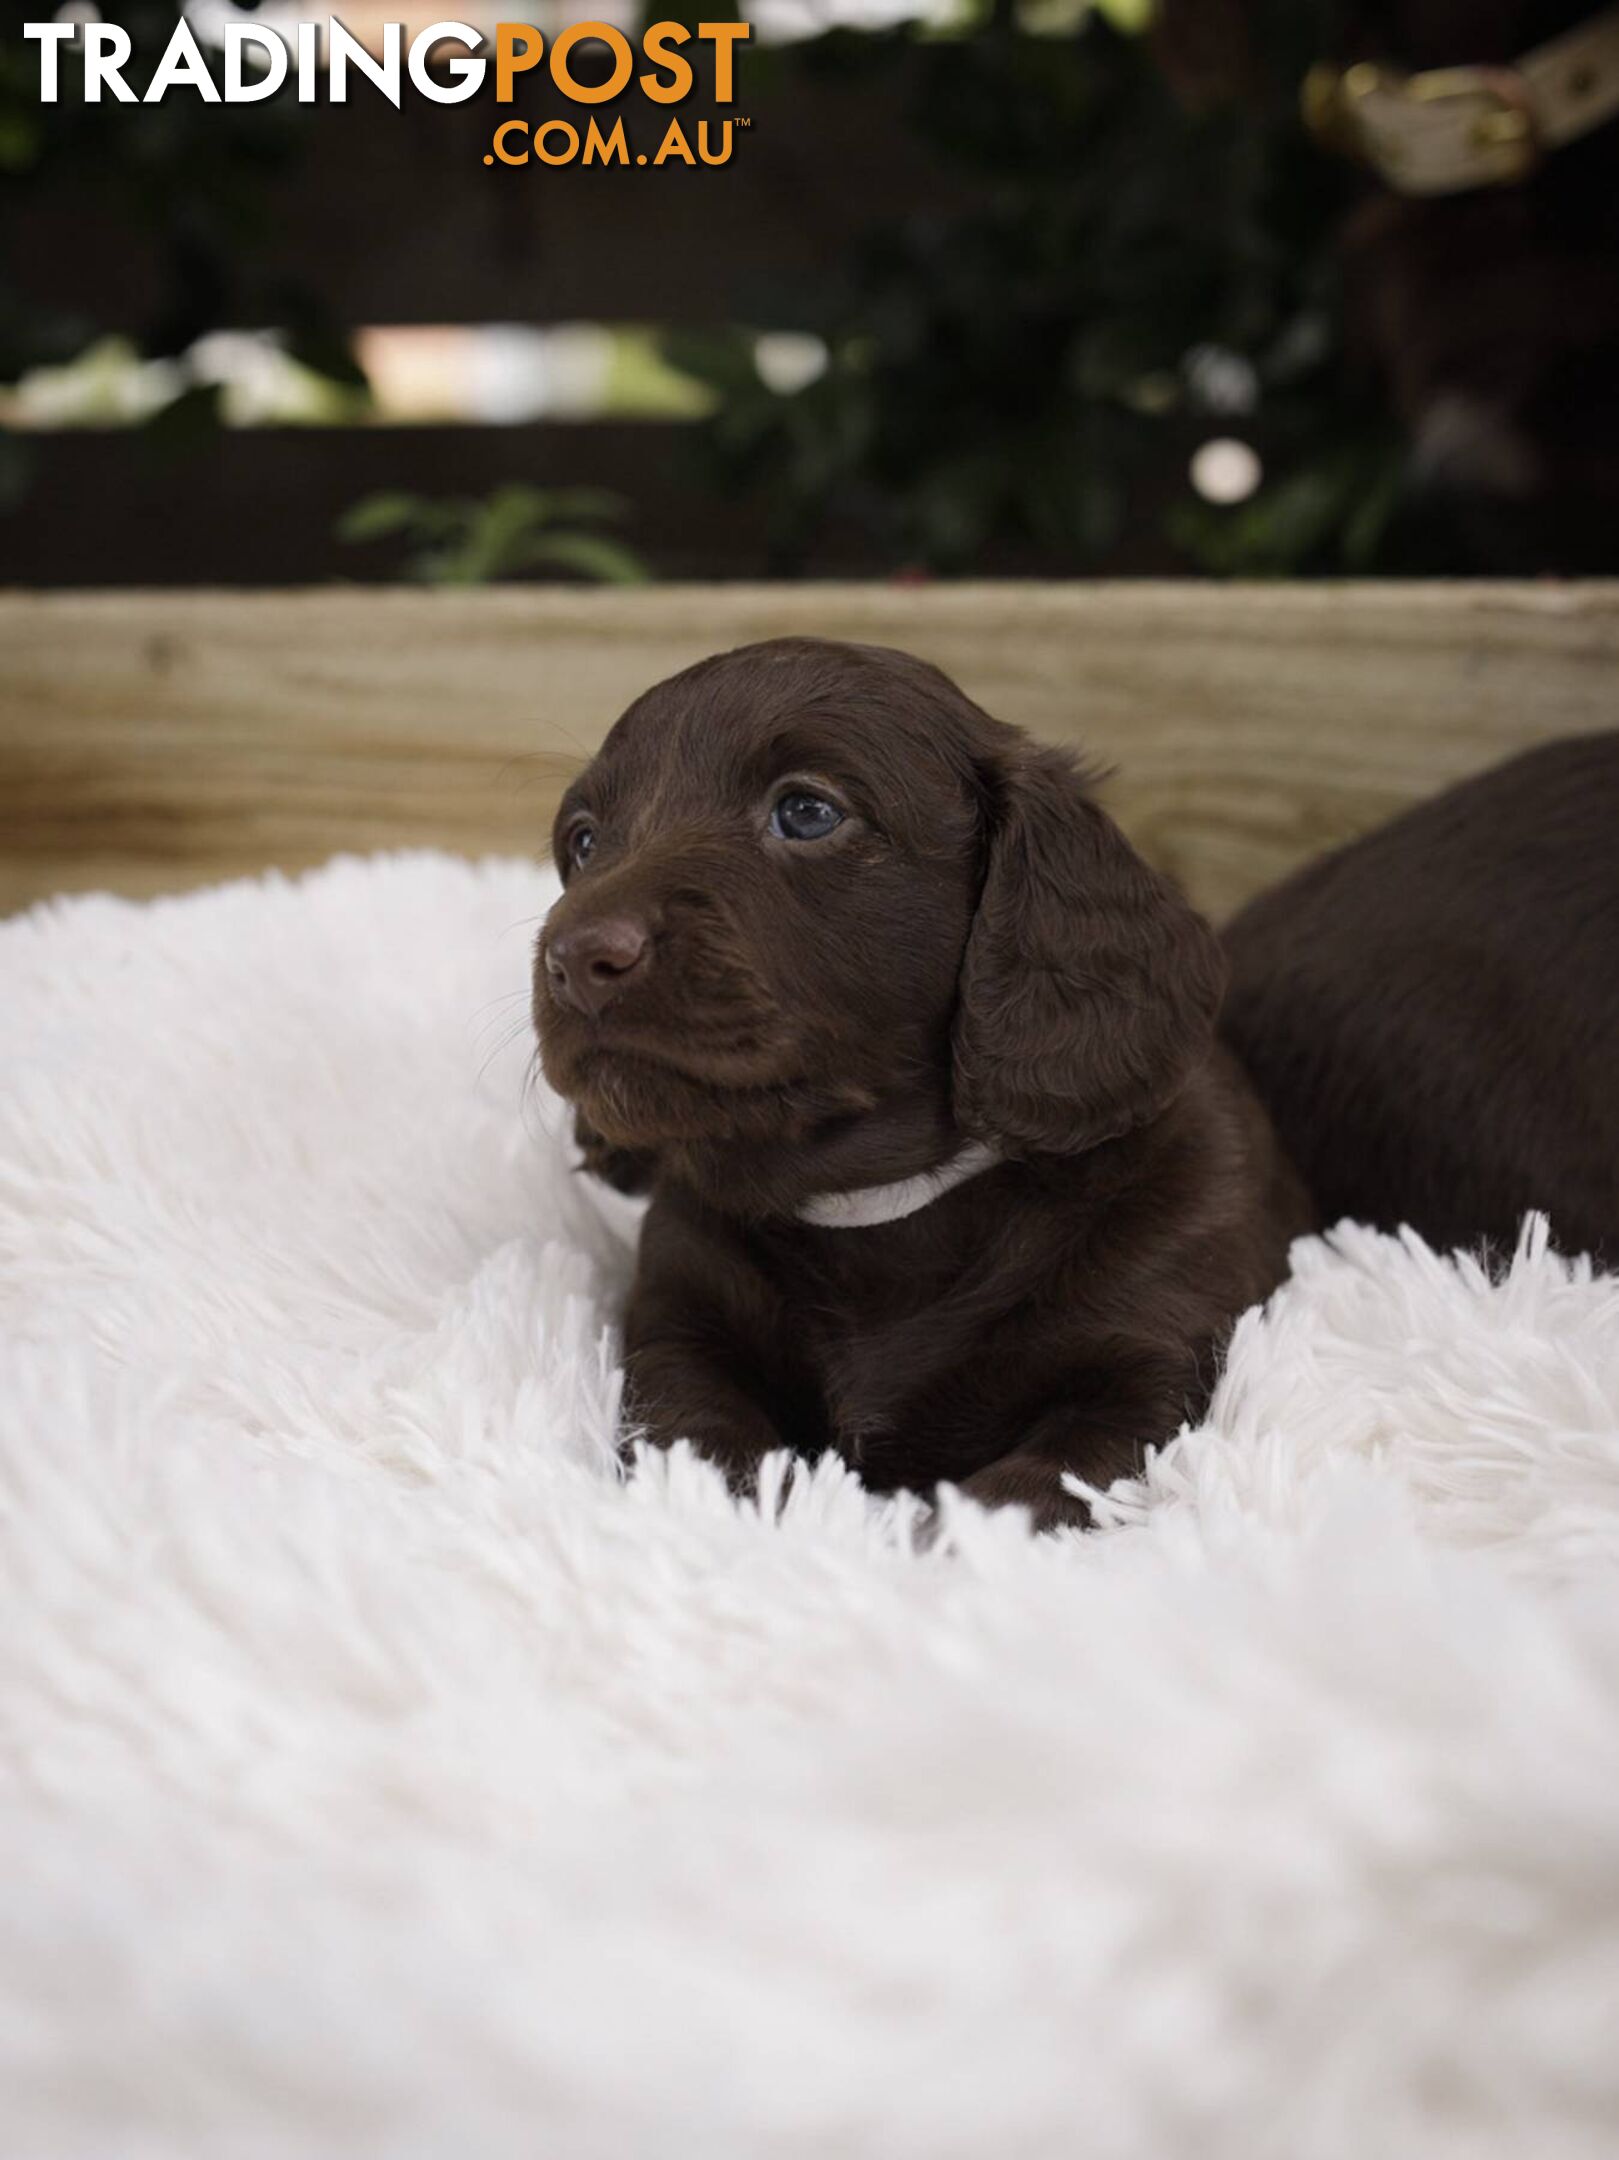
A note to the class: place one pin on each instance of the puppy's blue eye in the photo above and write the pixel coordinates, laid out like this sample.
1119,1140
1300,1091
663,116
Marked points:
581,844
798,815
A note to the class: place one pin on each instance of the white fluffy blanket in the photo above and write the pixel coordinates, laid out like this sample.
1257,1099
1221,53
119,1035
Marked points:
382,1775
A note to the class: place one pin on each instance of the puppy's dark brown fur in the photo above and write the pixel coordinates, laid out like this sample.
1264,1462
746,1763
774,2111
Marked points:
1432,1014
975,953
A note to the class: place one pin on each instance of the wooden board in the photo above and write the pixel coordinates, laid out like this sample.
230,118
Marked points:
154,742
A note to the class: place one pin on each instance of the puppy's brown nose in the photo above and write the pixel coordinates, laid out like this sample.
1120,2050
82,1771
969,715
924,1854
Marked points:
590,962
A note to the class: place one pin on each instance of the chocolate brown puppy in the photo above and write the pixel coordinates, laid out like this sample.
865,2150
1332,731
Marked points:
1432,1013
917,1057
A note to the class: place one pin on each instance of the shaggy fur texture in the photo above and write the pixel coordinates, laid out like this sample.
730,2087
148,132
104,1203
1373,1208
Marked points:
384,1776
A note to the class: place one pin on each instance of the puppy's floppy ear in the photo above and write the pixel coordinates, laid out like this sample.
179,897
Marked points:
627,1170
1089,987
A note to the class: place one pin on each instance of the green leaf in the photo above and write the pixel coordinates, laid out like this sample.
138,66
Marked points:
582,505
374,517
593,555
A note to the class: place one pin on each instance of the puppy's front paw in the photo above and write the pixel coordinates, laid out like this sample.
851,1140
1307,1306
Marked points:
1036,1486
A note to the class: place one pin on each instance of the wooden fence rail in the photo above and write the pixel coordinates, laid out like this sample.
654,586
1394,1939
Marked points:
150,742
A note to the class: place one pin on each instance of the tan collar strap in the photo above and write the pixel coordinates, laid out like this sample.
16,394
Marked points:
1450,129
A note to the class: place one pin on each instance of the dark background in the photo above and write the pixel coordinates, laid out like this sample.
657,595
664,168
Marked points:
1047,258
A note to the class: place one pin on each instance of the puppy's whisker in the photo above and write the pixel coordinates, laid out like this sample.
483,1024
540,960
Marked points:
513,1034
499,1005
528,1104
503,1017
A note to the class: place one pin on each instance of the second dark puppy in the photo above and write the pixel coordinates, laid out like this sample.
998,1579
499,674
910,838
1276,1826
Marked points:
949,1173
1431,1014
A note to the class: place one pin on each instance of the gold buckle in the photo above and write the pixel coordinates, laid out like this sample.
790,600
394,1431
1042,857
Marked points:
1506,131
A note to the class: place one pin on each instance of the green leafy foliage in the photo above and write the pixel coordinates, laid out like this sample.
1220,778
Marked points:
1020,371
472,540
1331,511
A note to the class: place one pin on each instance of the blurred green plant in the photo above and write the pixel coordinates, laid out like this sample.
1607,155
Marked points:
1334,510
1120,279
473,540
